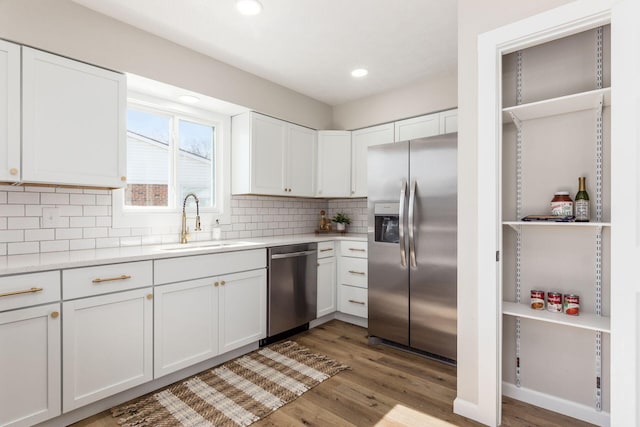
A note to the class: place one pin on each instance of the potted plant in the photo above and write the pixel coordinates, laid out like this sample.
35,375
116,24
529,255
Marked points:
341,219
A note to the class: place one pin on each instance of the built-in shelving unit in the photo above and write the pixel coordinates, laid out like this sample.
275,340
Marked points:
589,321
545,149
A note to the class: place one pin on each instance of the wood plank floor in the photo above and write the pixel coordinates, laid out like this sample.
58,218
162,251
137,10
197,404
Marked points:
384,387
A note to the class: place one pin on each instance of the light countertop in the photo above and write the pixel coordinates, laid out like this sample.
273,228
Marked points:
15,264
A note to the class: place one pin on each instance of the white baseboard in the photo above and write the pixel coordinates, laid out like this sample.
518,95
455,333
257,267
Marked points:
354,320
324,319
471,411
556,404
111,401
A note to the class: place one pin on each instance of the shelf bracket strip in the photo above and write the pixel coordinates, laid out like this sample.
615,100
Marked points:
599,209
518,124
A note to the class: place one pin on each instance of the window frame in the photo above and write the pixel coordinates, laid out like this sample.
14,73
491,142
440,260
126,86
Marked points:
169,217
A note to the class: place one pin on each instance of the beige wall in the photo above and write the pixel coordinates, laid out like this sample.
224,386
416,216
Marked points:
424,96
63,27
475,17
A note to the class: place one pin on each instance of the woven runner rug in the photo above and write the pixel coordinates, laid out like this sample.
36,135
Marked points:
236,393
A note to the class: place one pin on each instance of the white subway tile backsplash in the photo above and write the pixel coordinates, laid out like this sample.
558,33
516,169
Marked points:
54,246
82,199
12,188
11,210
54,199
82,221
23,198
3,249
39,234
22,223
7,236
82,244
85,220
68,233
23,248
92,233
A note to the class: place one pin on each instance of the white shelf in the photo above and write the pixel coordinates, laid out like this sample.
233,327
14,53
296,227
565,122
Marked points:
584,320
555,106
516,224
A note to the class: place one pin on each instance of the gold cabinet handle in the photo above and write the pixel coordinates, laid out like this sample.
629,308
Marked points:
326,250
222,282
55,314
111,279
362,273
123,178
356,302
13,171
149,296
357,249
26,291
216,284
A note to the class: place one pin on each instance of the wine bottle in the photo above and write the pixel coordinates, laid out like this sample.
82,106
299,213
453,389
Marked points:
582,202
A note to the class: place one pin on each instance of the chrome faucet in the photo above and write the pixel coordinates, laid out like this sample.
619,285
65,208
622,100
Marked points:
184,234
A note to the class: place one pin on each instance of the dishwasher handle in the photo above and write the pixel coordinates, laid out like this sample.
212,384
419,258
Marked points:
293,254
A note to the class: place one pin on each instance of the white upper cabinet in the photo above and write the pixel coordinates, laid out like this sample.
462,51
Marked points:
272,157
361,140
9,112
301,161
334,163
425,126
417,127
73,122
449,121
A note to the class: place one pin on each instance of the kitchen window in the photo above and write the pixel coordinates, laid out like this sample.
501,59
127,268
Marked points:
171,152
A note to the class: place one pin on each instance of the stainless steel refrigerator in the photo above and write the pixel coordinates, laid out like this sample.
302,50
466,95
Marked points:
412,238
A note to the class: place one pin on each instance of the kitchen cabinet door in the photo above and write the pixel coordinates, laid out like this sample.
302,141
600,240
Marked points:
417,127
29,365
268,143
449,121
185,324
334,164
360,141
73,122
326,286
301,161
9,112
243,308
107,345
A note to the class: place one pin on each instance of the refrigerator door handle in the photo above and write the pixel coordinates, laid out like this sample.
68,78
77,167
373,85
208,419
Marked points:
403,197
412,244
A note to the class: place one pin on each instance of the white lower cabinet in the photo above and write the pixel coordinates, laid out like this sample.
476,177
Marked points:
107,342
353,300
326,286
29,365
353,278
185,324
243,309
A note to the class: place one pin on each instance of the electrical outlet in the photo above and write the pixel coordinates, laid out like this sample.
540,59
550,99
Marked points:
50,217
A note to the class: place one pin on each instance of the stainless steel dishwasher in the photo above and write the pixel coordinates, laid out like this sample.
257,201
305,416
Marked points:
292,289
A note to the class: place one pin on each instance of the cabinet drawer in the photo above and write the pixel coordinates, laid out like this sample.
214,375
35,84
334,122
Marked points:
326,249
353,301
353,249
102,279
24,290
199,266
353,271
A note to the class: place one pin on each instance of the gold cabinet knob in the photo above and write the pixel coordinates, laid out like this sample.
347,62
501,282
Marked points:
54,314
216,284
123,178
222,282
13,171
149,296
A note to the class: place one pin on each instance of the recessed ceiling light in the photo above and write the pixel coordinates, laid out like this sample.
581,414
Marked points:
249,7
189,99
359,72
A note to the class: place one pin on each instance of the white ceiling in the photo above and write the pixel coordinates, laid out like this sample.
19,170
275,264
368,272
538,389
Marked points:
309,46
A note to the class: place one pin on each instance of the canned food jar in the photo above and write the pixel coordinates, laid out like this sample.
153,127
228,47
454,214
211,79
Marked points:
561,204
537,300
572,305
554,302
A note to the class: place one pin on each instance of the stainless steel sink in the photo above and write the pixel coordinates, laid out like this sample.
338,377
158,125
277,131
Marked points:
179,247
